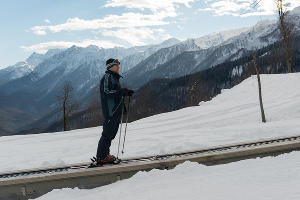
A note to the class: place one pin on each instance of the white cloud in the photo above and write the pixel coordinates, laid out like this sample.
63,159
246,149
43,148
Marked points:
132,27
245,8
47,21
137,36
153,5
126,20
168,6
38,31
44,47
161,9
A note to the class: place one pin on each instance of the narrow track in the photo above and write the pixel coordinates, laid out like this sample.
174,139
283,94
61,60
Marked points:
218,149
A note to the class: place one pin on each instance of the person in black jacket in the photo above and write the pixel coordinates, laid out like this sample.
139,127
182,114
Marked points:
112,103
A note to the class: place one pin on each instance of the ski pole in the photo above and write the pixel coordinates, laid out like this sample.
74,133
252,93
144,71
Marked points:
120,129
126,124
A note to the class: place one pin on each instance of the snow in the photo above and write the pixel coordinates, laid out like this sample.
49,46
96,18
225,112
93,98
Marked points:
255,37
268,178
295,11
237,71
16,71
217,38
232,116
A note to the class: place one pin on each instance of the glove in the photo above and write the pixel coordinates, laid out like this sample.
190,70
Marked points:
130,92
126,92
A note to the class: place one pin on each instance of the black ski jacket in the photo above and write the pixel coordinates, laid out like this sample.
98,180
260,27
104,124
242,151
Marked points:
110,92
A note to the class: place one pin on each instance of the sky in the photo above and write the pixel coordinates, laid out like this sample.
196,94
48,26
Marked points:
36,26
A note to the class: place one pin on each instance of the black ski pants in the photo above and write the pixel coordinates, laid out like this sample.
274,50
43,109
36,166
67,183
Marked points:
110,130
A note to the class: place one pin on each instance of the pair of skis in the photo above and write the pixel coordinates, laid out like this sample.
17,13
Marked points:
100,164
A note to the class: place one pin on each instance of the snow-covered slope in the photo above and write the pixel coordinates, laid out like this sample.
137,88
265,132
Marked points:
215,39
35,59
198,54
232,116
267,178
24,68
138,75
143,52
15,71
256,37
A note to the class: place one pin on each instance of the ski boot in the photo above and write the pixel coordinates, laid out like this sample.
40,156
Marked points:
110,159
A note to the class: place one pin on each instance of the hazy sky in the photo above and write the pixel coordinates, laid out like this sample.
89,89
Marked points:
39,25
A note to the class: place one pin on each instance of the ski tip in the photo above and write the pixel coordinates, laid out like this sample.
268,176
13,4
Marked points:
117,161
92,165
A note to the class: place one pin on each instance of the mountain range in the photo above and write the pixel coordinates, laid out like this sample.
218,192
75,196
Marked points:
29,89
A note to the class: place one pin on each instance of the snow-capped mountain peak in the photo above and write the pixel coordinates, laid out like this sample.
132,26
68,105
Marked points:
295,11
35,58
170,42
217,38
15,71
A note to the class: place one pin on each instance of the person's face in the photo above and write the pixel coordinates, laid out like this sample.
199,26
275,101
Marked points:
115,68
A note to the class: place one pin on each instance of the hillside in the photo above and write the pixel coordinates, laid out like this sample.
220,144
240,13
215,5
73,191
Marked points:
232,116
165,95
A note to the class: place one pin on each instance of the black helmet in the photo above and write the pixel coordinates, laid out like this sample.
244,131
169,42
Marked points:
111,62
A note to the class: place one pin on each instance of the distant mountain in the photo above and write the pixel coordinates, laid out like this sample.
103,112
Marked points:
164,55
23,68
199,54
34,89
143,52
15,71
216,39
166,95
194,55
35,59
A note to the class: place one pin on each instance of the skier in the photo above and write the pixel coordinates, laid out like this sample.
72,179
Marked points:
112,96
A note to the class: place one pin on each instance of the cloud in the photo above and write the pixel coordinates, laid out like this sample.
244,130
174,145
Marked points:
244,8
161,9
111,21
153,5
44,47
38,31
137,36
168,6
47,21
133,27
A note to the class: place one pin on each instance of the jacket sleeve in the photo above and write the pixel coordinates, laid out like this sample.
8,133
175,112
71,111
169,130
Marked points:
108,86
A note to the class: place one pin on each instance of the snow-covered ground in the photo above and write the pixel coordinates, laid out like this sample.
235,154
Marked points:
270,178
232,116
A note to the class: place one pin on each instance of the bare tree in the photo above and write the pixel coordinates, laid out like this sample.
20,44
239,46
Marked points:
67,104
263,117
286,28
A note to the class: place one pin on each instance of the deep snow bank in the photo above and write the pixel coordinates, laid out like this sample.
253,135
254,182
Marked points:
275,178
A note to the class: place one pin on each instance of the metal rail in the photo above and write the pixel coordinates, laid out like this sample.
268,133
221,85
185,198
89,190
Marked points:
29,184
150,158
